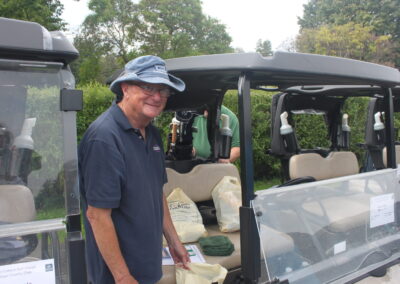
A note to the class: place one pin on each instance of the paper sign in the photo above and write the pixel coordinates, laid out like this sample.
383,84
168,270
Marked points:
194,253
33,272
381,210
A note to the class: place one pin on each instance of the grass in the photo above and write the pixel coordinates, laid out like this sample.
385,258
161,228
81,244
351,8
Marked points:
266,183
51,213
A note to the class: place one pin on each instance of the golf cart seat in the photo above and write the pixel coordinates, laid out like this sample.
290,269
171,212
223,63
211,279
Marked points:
198,185
16,206
336,164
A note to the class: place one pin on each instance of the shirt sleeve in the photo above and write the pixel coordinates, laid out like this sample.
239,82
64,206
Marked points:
234,125
103,170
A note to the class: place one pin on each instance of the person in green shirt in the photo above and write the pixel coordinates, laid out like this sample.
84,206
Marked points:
201,144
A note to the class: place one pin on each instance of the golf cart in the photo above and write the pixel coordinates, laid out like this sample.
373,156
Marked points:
289,234
38,159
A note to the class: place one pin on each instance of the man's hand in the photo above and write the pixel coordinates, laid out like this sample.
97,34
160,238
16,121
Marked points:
127,279
179,254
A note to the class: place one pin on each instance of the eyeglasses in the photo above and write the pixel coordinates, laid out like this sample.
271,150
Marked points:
151,91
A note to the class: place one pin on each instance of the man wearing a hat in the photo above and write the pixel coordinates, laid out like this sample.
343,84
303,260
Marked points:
122,173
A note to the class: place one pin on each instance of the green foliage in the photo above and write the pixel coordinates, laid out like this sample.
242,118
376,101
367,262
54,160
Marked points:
96,99
350,40
120,30
380,16
264,165
176,28
43,104
44,12
47,177
51,196
112,25
264,47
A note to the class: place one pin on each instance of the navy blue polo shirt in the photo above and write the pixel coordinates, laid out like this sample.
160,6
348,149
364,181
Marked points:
120,170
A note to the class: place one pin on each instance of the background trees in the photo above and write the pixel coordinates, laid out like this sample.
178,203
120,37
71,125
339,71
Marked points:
264,47
45,12
122,30
367,29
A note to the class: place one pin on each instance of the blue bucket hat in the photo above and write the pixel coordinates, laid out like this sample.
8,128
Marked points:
148,69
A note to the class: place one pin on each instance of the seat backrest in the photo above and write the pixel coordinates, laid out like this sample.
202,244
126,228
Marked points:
384,155
16,204
336,164
200,181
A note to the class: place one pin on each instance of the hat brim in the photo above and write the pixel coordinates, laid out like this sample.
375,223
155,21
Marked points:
172,81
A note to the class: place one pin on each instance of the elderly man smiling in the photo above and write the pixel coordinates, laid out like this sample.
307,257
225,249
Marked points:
122,173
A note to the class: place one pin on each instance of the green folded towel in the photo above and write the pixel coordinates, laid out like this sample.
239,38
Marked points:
216,246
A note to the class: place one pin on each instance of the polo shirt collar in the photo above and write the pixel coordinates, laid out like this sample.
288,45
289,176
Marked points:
120,117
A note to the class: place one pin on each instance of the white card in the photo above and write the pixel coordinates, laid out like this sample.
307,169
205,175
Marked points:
33,272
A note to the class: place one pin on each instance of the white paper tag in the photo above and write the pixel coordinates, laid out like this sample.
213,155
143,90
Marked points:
34,272
339,247
381,210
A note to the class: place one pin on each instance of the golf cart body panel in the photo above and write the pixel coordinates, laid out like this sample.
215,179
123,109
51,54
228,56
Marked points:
338,259
38,168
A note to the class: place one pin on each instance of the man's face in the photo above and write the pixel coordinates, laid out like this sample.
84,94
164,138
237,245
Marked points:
144,99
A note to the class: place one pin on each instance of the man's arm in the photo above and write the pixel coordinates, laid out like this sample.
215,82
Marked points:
177,250
235,154
107,242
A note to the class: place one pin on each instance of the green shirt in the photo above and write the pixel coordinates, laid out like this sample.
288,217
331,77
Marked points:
200,139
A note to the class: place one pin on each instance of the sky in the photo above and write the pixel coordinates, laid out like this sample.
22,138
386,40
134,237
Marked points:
246,21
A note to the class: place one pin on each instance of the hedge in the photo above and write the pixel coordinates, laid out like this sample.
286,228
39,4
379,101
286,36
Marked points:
310,130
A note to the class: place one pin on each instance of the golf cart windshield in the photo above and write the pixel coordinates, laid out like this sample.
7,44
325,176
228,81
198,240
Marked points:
323,244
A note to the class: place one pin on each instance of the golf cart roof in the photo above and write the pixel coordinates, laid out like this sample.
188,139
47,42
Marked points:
221,72
30,41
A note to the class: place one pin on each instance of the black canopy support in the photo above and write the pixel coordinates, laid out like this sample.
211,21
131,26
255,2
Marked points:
246,147
389,128
249,238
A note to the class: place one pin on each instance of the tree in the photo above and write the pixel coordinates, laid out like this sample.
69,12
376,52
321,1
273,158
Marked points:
382,16
174,28
45,12
112,25
350,40
264,47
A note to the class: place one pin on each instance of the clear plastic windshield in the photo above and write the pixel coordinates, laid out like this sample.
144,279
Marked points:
32,166
329,231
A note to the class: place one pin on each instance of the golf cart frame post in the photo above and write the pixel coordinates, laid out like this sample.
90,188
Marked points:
389,121
250,242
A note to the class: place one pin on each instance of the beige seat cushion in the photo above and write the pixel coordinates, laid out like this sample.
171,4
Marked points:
16,204
384,155
200,181
336,164
341,213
